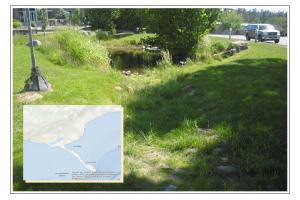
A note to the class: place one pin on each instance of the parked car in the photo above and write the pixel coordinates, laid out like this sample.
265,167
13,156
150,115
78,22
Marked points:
265,32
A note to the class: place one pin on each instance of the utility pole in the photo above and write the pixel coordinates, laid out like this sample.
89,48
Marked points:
30,38
36,81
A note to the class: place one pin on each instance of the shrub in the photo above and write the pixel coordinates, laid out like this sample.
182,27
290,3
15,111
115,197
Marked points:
17,23
33,24
70,47
179,30
151,40
43,18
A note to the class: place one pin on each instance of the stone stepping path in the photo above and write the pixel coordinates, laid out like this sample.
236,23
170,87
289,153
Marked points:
225,169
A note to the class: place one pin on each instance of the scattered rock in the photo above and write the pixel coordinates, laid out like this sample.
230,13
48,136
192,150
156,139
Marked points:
203,130
35,43
217,150
192,92
230,52
224,142
118,88
212,137
28,97
175,178
86,33
171,187
241,45
226,169
127,73
165,166
224,159
191,150
183,171
182,63
149,48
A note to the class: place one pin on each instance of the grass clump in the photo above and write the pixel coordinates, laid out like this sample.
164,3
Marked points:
211,48
17,23
166,59
136,39
70,47
103,35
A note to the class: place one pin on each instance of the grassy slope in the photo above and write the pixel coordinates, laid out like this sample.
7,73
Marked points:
174,117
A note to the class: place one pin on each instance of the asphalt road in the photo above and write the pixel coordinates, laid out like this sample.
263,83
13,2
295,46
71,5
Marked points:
283,40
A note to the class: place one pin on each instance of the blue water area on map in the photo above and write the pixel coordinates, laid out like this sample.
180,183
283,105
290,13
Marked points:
100,144
101,135
111,161
42,162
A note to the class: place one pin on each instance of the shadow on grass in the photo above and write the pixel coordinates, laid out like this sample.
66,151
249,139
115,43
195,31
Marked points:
248,96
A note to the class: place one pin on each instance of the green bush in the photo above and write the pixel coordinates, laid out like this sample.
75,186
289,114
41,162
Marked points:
17,23
70,47
179,30
33,24
151,40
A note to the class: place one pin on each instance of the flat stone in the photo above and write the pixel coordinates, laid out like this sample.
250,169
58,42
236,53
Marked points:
224,142
217,150
183,171
226,169
191,150
242,45
171,187
175,178
35,43
230,52
84,33
127,73
28,97
118,88
224,159
165,166
212,137
182,63
192,92
203,130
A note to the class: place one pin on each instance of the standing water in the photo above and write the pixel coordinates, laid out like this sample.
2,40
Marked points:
135,59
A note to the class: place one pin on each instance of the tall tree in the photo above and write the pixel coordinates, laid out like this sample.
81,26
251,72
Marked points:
102,18
75,18
230,19
44,20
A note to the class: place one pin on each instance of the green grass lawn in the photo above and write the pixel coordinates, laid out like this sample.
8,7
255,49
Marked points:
174,119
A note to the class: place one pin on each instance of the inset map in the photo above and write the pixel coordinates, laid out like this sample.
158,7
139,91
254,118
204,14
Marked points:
72,143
